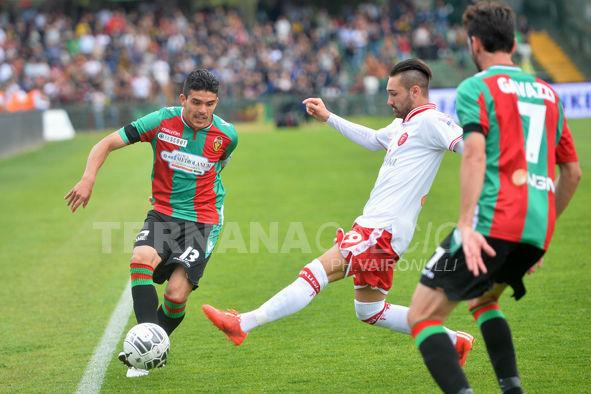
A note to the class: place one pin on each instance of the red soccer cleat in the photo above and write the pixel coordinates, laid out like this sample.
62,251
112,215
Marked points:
464,344
226,321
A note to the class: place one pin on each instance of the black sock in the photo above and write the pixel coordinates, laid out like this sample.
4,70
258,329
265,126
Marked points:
441,358
497,336
145,302
169,324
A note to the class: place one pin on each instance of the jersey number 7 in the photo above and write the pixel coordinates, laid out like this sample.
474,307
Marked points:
537,117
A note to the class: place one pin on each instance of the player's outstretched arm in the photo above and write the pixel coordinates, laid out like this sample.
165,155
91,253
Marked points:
570,175
80,193
364,136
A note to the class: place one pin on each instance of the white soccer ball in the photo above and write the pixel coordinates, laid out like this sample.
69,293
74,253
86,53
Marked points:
146,346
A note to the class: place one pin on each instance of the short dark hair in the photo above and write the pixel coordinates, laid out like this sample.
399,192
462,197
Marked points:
493,23
413,72
201,79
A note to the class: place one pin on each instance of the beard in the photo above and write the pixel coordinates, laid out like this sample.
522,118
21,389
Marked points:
401,112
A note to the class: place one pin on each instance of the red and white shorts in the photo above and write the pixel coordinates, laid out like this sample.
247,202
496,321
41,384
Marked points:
370,256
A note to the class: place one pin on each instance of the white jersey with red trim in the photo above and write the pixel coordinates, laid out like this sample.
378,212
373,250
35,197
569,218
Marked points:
414,150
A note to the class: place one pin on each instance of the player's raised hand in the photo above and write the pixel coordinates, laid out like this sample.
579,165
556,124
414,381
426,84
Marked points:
79,195
473,244
315,107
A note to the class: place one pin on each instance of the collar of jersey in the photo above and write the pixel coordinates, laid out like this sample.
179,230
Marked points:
189,127
505,67
418,110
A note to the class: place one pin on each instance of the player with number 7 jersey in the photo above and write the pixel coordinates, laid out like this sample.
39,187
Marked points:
515,134
517,199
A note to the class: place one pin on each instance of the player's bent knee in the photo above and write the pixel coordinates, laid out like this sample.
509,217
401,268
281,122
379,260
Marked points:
179,287
333,263
369,312
179,294
145,255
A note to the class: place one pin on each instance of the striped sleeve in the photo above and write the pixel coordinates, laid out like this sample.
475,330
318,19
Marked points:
232,145
565,151
565,146
471,107
142,128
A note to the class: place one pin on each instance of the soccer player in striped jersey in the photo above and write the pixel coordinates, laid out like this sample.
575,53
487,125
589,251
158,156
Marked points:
515,133
414,145
191,145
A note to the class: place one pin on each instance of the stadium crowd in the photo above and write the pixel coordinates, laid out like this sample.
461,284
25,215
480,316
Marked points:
142,55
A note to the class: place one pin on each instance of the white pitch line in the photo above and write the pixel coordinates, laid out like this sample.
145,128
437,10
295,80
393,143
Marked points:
93,377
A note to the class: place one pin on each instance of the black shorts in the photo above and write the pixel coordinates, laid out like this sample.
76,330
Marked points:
447,268
178,243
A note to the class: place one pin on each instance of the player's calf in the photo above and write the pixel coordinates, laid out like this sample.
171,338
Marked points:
310,281
172,310
314,277
395,318
383,314
145,299
171,313
499,344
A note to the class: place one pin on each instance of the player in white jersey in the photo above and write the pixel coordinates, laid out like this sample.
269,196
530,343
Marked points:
414,143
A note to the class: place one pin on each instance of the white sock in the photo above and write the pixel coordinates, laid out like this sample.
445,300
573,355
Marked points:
311,280
392,317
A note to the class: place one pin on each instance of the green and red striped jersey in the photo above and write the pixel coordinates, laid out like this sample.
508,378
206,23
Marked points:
186,182
526,136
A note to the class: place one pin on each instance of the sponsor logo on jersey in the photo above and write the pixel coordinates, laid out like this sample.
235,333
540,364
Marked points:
186,162
172,139
541,182
402,139
217,143
171,132
521,177
526,89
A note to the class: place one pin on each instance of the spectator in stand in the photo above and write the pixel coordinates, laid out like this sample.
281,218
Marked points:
143,54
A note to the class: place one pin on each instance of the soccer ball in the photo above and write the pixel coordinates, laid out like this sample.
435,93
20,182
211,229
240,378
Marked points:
146,346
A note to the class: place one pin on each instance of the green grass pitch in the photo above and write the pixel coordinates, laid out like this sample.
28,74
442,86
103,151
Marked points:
61,282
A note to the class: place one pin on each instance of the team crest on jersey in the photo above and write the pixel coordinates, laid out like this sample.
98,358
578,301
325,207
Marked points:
217,143
402,139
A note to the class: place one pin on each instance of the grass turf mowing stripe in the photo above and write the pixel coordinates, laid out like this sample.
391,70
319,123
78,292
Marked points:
93,377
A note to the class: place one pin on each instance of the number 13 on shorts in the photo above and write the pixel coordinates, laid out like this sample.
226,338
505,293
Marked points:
190,255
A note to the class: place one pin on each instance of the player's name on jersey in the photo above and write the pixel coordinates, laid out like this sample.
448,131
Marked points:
526,89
